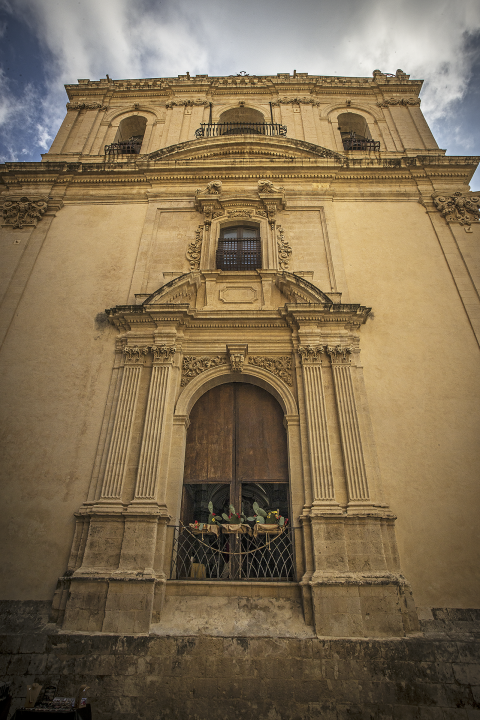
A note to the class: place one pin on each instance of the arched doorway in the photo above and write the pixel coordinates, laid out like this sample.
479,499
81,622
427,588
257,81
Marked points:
236,454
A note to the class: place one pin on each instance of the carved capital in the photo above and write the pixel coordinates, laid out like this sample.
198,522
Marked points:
339,354
194,251
135,354
237,355
162,353
279,366
22,211
311,353
284,249
458,207
193,366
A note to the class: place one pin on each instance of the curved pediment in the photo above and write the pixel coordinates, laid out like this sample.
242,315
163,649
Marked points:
237,291
229,147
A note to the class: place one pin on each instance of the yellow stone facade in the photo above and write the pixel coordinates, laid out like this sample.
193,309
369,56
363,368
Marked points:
368,287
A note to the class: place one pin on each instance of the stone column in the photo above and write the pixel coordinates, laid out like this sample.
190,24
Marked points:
355,471
122,429
319,445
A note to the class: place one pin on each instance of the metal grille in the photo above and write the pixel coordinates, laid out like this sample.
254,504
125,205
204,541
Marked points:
353,143
239,254
123,148
228,557
240,128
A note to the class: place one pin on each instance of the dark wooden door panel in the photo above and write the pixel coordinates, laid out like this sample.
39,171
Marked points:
261,452
210,437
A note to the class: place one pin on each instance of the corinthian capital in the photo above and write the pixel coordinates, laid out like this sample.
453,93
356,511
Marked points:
135,355
161,353
311,353
339,353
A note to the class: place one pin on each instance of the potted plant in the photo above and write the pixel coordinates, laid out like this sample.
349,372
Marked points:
235,523
210,527
268,522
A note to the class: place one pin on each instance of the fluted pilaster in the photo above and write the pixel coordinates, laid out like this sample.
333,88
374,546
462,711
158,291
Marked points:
122,428
355,470
152,433
319,445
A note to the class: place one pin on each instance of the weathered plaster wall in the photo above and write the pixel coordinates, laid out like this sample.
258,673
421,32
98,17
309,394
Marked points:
56,365
423,387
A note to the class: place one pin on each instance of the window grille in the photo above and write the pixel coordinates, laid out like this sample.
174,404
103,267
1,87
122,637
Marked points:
239,249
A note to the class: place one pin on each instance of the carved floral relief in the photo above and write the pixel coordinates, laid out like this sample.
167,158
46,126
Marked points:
284,249
193,366
279,366
458,207
194,252
24,211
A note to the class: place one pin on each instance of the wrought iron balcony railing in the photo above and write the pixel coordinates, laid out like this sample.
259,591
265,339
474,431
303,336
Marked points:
225,556
123,148
240,128
353,143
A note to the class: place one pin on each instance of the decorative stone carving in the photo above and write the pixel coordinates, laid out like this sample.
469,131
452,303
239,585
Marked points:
194,251
193,366
86,106
279,366
311,353
339,353
214,187
135,354
163,352
186,103
23,211
284,249
237,355
240,213
398,101
266,186
458,207
295,101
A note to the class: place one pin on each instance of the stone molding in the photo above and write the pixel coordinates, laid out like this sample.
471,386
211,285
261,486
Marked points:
295,101
458,207
213,205
281,366
399,101
86,106
187,103
21,211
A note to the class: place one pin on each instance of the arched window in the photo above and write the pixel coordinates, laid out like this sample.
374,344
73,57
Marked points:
129,137
239,248
355,132
242,120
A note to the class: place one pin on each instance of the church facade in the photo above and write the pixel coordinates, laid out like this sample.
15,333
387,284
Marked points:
229,293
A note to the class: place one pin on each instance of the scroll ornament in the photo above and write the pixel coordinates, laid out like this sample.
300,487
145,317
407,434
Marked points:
194,251
458,207
284,249
279,366
266,186
19,213
193,366
398,101
214,187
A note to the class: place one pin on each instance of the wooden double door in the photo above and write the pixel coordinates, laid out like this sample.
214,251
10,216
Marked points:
236,453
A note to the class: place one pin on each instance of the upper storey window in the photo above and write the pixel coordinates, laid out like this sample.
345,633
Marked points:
129,137
356,133
239,248
240,121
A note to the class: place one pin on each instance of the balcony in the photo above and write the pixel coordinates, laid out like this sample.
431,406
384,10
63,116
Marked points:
351,142
123,148
240,128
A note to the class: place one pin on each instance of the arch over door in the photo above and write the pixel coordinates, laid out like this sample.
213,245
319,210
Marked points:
237,438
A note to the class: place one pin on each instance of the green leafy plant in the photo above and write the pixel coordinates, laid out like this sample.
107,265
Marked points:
233,518
268,517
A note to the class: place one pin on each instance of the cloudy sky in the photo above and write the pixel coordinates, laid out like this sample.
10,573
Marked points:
47,43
